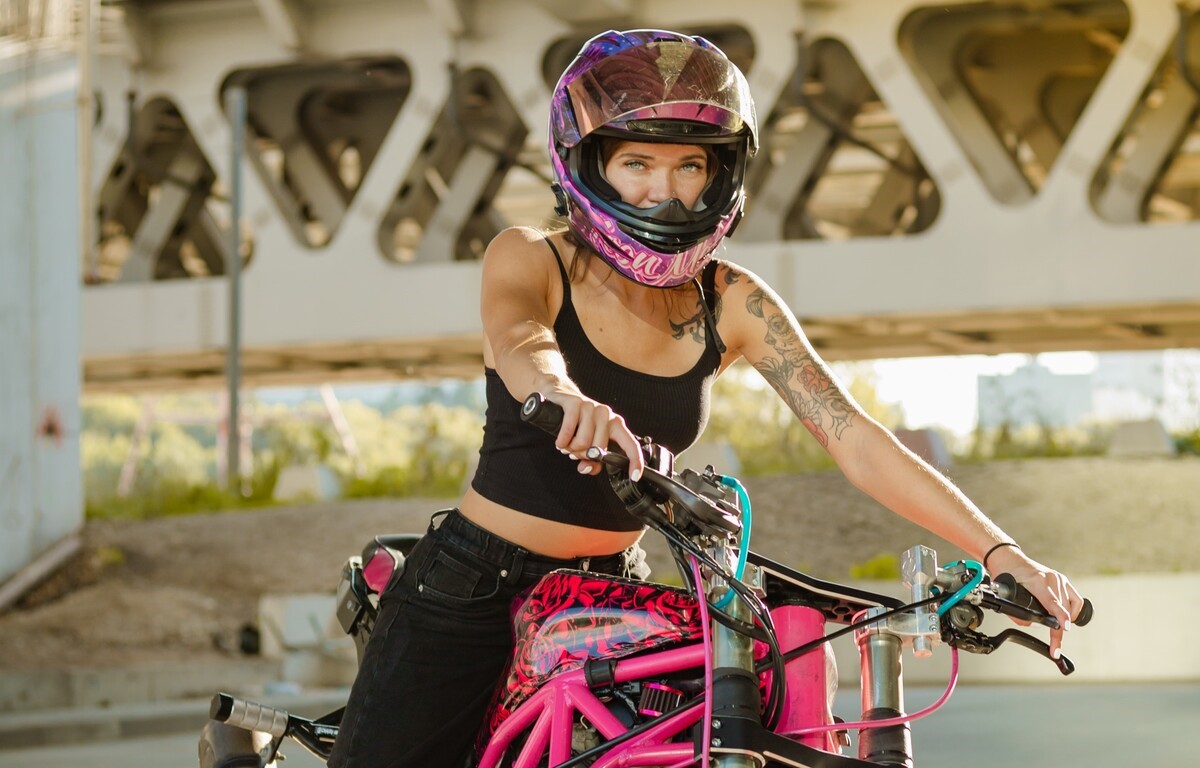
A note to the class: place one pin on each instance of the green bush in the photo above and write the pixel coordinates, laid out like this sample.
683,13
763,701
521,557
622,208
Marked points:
1188,443
168,499
1035,441
422,450
879,568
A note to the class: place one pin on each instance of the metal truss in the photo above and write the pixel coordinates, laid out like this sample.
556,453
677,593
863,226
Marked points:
946,178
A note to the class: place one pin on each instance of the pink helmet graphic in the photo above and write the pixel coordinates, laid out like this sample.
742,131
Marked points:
651,86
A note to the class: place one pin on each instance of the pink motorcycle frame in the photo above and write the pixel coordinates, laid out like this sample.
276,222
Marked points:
568,604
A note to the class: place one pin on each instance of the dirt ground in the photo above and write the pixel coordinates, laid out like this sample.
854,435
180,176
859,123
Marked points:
183,588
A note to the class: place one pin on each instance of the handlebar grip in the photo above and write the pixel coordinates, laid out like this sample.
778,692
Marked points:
1085,614
542,413
248,715
1015,593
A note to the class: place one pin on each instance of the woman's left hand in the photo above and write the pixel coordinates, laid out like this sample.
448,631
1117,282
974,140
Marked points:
1052,589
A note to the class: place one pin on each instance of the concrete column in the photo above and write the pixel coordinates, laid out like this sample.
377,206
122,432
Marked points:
41,492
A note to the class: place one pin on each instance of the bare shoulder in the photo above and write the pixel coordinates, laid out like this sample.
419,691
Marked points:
520,275
515,241
518,253
743,290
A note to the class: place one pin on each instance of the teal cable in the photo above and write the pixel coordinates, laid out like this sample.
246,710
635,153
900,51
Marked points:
744,547
975,581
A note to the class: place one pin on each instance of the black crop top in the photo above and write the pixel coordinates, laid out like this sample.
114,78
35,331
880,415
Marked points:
519,466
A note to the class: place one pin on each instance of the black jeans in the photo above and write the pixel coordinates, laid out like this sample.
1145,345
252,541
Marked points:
440,644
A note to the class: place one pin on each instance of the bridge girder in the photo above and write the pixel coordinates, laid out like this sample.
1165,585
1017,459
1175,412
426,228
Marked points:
923,187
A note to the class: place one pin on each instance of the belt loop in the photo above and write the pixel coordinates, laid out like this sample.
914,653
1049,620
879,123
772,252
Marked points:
515,567
437,518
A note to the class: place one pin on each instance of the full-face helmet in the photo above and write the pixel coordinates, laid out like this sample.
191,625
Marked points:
651,86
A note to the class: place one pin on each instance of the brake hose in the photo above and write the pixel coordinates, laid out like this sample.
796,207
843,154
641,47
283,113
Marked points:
744,546
975,581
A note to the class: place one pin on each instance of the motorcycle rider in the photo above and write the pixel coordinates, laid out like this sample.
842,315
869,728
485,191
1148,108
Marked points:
624,319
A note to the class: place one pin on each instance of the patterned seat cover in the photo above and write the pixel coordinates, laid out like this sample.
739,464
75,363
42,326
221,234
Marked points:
570,616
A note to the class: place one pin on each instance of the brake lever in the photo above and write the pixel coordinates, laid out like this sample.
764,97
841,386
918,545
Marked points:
664,487
1064,664
977,642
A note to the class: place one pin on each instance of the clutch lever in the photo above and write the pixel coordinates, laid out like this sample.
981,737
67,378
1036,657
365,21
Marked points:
977,642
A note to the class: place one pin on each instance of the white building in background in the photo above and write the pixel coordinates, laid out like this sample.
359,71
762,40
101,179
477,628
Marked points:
1033,394
1124,386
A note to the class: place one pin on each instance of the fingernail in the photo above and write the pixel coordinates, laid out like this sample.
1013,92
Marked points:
1055,653
1067,625
563,451
635,475
584,469
573,456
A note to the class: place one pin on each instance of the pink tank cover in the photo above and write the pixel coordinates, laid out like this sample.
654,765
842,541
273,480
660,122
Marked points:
570,616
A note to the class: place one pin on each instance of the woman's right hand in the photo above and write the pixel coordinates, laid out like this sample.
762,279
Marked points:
586,424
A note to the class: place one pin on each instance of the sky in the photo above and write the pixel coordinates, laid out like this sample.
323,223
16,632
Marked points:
943,391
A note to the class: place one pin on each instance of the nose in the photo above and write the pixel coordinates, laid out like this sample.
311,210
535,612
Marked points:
661,187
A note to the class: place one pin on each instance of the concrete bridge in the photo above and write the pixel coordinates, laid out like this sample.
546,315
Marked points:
952,178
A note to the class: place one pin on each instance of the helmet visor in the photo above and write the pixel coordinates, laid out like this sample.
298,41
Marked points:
663,80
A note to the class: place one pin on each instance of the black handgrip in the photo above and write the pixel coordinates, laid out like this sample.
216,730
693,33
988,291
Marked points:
542,413
1010,590
248,715
1085,614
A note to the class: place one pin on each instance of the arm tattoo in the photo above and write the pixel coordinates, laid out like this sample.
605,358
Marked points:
802,380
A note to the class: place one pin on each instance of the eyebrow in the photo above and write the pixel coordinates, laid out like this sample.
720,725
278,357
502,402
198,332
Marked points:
641,155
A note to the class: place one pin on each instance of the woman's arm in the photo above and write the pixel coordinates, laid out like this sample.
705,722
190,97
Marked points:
519,299
764,331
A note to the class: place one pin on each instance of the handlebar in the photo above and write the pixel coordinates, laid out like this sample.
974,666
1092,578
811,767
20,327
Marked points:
1021,604
317,736
658,482
248,715
1001,595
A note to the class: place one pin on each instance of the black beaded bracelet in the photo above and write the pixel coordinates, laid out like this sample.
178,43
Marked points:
1012,544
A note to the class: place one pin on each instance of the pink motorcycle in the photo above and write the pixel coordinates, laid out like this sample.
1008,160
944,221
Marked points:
732,670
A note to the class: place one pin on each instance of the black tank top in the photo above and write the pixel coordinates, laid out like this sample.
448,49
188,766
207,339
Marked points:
519,466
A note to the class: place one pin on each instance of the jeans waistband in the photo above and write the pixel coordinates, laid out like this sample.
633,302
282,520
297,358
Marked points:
501,552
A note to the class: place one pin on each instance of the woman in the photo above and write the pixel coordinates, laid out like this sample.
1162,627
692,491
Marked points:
624,320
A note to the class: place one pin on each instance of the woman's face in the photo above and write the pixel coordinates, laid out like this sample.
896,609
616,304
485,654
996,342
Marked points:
646,174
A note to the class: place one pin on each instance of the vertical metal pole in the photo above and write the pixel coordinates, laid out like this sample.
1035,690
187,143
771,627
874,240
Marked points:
87,118
235,107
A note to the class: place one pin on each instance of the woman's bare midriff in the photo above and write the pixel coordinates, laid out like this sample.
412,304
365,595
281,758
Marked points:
543,537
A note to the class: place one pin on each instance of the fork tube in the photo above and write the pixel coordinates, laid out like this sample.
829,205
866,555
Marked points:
882,697
735,686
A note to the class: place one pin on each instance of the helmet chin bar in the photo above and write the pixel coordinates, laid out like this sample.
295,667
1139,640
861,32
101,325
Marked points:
670,211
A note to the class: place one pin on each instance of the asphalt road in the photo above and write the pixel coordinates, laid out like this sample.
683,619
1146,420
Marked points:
1099,726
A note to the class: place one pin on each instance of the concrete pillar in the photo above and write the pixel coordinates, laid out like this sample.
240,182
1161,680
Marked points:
41,492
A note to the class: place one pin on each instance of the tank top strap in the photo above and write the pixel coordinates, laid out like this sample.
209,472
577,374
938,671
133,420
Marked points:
708,279
708,292
562,269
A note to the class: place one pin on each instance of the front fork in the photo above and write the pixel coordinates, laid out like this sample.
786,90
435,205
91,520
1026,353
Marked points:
879,647
735,693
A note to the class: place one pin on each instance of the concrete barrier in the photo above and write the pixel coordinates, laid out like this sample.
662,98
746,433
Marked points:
1144,631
